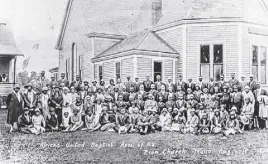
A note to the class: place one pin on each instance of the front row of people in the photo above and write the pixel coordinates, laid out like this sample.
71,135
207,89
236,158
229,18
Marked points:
134,120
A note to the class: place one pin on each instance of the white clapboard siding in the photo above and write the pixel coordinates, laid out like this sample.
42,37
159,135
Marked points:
174,39
127,69
168,70
246,52
96,71
108,68
196,35
144,68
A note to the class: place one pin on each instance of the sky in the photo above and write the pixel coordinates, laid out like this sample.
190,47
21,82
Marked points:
36,25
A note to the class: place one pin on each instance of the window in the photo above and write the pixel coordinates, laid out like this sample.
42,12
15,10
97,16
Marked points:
211,61
258,65
117,71
80,65
100,73
157,69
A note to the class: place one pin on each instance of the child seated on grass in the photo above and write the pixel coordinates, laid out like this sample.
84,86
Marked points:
52,121
232,126
143,123
178,121
90,124
107,120
216,125
65,121
75,122
204,125
134,118
122,122
24,121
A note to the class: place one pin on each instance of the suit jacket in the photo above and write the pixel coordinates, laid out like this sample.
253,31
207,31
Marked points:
136,86
23,122
115,96
258,92
242,85
27,101
65,81
164,96
202,85
122,120
128,85
252,85
236,97
233,82
147,85
192,86
76,84
172,85
211,86
221,84
180,104
158,85
183,85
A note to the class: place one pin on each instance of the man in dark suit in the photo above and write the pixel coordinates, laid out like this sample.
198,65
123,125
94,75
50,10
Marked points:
252,83
63,80
221,83
76,84
128,84
211,85
147,84
158,83
182,83
201,84
136,85
233,81
169,84
191,84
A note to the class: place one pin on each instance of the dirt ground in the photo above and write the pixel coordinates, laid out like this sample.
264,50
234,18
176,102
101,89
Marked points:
109,147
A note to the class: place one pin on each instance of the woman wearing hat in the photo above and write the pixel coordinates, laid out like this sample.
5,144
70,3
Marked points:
43,101
165,120
24,121
99,94
38,123
178,121
216,126
67,101
111,86
204,124
30,98
14,103
232,126
192,122
247,112
56,102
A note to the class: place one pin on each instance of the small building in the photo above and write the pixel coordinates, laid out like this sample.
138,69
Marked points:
8,57
189,38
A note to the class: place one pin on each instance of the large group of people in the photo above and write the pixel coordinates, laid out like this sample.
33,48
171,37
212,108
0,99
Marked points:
215,107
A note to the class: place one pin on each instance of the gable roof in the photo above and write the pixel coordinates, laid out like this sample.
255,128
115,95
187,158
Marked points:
7,42
247,10
145,40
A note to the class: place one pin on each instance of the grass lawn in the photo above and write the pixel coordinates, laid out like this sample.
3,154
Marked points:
109,147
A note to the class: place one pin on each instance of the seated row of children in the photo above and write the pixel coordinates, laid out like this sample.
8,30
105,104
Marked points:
133,120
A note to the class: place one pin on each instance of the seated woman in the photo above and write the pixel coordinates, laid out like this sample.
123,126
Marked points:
24,121
216,125
132,107
192,122
204,125
90,124
246,116
76,122
134,118
107,119
65,121
52,121
165,120
232,126
38,123
178,121
143,123
153,122
122,122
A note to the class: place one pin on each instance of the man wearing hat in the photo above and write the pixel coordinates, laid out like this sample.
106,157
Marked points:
14,103
233,81
170,84
201,84
182,83
136,85
158,83
76,83
252,83
44,80
147,84
63,80
52,82
30,98
94,86
128,84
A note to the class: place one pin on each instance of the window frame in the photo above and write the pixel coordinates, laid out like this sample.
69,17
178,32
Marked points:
259,45
211,57
162,69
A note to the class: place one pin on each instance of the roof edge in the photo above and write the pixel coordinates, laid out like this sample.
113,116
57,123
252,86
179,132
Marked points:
106,36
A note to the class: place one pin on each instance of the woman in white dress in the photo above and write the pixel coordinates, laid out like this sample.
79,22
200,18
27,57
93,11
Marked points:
67,101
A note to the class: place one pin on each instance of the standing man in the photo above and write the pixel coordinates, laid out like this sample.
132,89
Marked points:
190,84
252,83
242,83
170,85
94,86
56,102
76,84
201,84
136,85
147,84
63,80
52,82
221,83
211,85
158,83
14,103
36,84
233,81
128,84
182,83
44,80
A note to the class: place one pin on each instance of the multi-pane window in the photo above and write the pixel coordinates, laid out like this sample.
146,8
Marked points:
117,71
100,73
157,69
211,61
258,63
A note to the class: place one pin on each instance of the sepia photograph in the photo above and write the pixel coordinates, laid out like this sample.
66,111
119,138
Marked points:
133,81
